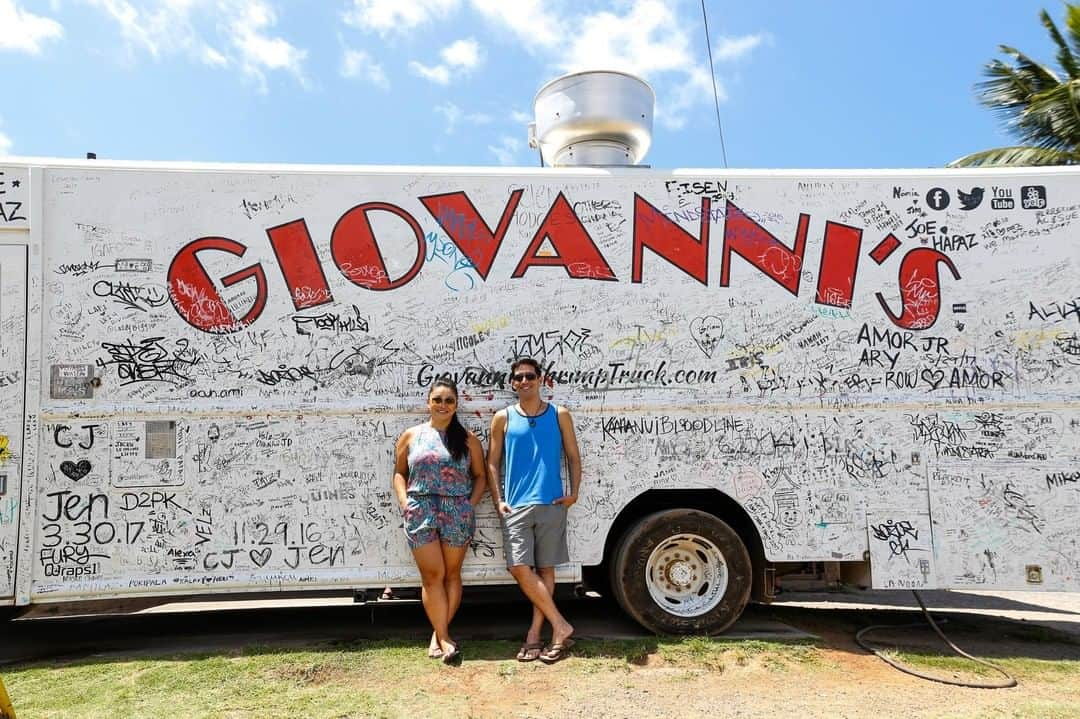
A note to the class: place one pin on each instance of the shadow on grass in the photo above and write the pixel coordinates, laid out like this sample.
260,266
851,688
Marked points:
983,636
943,600
631,652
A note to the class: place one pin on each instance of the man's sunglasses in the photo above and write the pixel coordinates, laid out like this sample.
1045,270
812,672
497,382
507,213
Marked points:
524,376
440,400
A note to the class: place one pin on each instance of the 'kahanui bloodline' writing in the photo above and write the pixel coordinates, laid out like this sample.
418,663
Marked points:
356,253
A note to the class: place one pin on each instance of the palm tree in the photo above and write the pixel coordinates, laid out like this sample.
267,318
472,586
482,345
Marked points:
1038,105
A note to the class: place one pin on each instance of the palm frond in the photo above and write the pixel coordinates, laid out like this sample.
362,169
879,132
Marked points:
1017,157
1065,56
1072,23
1036,106
1008,93
1036,76
1052,118
1004,87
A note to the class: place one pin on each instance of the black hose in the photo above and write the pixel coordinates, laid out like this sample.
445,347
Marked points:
1009,681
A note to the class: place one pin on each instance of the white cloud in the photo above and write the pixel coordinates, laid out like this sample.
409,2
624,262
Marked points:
387,16
165,28
684,96
210,56
651,41
519,116
455,116
23,31
647,38
358,63
647,41
462,53
732,48
5,144
243,27
258,51
506,150
461,56
439,74
536,23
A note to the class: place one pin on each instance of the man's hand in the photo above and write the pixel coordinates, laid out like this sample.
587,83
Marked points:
504,509
567,500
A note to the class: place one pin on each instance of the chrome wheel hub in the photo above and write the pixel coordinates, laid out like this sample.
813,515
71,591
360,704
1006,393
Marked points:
686,575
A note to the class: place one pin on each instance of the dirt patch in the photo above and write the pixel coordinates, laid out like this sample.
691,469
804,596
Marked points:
835,684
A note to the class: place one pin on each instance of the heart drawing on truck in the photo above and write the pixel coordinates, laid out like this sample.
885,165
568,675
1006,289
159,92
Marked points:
260,556
75,471
707,332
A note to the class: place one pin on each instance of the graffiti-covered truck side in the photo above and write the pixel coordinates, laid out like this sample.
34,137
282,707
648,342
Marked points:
204,369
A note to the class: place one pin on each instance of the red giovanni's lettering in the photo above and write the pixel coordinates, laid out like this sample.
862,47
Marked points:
661,235
920,289
458,217
300,264
839,265
193,293
562,241
357,254
760,248
575,250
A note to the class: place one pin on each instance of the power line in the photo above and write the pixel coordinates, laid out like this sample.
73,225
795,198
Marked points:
716,96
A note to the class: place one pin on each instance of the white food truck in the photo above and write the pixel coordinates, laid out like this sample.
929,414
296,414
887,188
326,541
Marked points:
203,370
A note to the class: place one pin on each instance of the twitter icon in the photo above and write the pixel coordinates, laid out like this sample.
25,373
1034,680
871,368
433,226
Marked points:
970,200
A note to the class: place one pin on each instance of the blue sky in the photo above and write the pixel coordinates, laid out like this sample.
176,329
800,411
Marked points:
818,83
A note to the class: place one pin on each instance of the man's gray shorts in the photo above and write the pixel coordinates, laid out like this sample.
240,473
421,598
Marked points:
535,536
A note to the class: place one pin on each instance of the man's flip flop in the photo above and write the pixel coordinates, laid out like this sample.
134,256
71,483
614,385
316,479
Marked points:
557,652
530,651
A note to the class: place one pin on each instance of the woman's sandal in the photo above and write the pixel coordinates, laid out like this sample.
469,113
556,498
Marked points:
452,657
434,651
530,651
557,652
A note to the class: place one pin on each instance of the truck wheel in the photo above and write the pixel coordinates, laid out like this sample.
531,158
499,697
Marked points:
682,571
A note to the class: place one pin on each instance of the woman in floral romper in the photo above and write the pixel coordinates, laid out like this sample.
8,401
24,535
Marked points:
439,477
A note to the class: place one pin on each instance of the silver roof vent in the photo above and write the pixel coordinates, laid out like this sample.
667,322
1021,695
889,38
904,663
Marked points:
593,118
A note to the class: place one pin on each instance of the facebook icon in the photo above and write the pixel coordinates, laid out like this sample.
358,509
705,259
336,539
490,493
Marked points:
937,199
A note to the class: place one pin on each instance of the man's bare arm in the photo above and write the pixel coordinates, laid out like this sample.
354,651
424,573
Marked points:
573,456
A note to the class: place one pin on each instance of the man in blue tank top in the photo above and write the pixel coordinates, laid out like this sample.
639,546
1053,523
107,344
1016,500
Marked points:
532,436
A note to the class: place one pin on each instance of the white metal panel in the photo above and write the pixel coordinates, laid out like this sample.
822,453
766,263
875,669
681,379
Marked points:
12,398
813,415
902,550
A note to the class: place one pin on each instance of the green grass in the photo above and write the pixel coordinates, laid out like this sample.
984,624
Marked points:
340,679
721,654
394,678
1023,668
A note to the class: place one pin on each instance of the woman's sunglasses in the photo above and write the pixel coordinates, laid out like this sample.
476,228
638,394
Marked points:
442,400
524,377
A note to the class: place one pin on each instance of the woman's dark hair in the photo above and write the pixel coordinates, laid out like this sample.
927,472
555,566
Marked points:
456,435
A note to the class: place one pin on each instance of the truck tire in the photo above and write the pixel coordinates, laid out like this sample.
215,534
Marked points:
682,571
